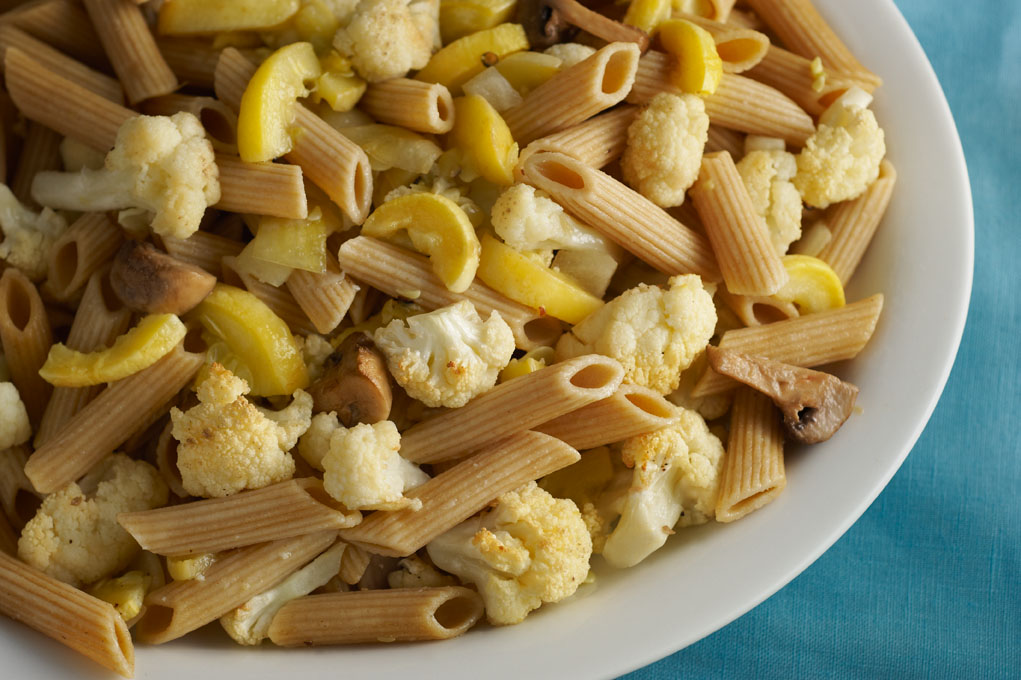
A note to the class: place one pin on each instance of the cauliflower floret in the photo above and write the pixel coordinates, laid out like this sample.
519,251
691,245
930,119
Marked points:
530,549
767,175
27,235
675,484
664,147
570,54
159,164
446,357
75,536
14,425
249,623
529,220
414,572
362,466
226,444
654,333
842,158
385,38
315,350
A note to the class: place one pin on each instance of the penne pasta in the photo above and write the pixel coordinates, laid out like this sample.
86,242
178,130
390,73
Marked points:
183,606
283,510
723,139
26,337
203,249
808,341
803,30
324,298
192,61
739,236
18,500
274,189
396,615
120,410
456,494
99,320
353,564
621,214
630,411
216,117
853,223
62,24
575,93
739,48
60,611
753,471
87,246
41,151
598,25
279,300
402,273
416,105
511,407
132,50
813,89
739,103
598,141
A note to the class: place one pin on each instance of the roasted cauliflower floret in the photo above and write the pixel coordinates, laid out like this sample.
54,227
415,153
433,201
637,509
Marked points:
446,357
675,484
654,333
530,549
664,147
159,164
528,220
767,176
27,235
227,444
362,466
842,158
14,425
75,536
386,38
570,53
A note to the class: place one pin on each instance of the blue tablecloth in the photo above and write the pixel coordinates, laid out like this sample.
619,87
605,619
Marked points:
927,584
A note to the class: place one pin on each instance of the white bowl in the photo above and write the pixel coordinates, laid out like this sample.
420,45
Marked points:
706,577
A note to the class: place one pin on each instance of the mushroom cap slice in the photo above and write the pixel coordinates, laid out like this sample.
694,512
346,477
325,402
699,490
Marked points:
355,384
814,404
148,280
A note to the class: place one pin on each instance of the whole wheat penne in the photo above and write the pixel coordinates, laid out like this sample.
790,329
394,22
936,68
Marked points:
416,105
756,310
456,494
292,508
602,27
395,615
100,318
808,341
853,223
513,406
753,471
193,60
324,298
630,411
87,245
353,564
274,189
795,76
739,236
166,461
18,500
739,48
598,141
334,163
62,24
203,249
132,50
621,214
803,30
108,420
41,151
739,103
60,63
402,273
724,139
182,606
217,118
575,93
77,112
26,337
68,615
277,299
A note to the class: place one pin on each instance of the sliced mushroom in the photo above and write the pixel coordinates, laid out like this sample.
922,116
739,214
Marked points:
814,404
355,383
543,25
148,280
590,21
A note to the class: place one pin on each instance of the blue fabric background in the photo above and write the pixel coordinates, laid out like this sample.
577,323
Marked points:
927,584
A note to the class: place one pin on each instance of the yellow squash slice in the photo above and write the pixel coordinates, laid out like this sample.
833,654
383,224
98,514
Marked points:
464,58
202,17
698,68
483,139
811,285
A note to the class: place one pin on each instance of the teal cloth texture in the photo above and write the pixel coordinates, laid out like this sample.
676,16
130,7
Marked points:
927,584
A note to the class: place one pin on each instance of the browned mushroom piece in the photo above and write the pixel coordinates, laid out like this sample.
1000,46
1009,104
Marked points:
148,280
599,25
814,404
543,25
355,383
